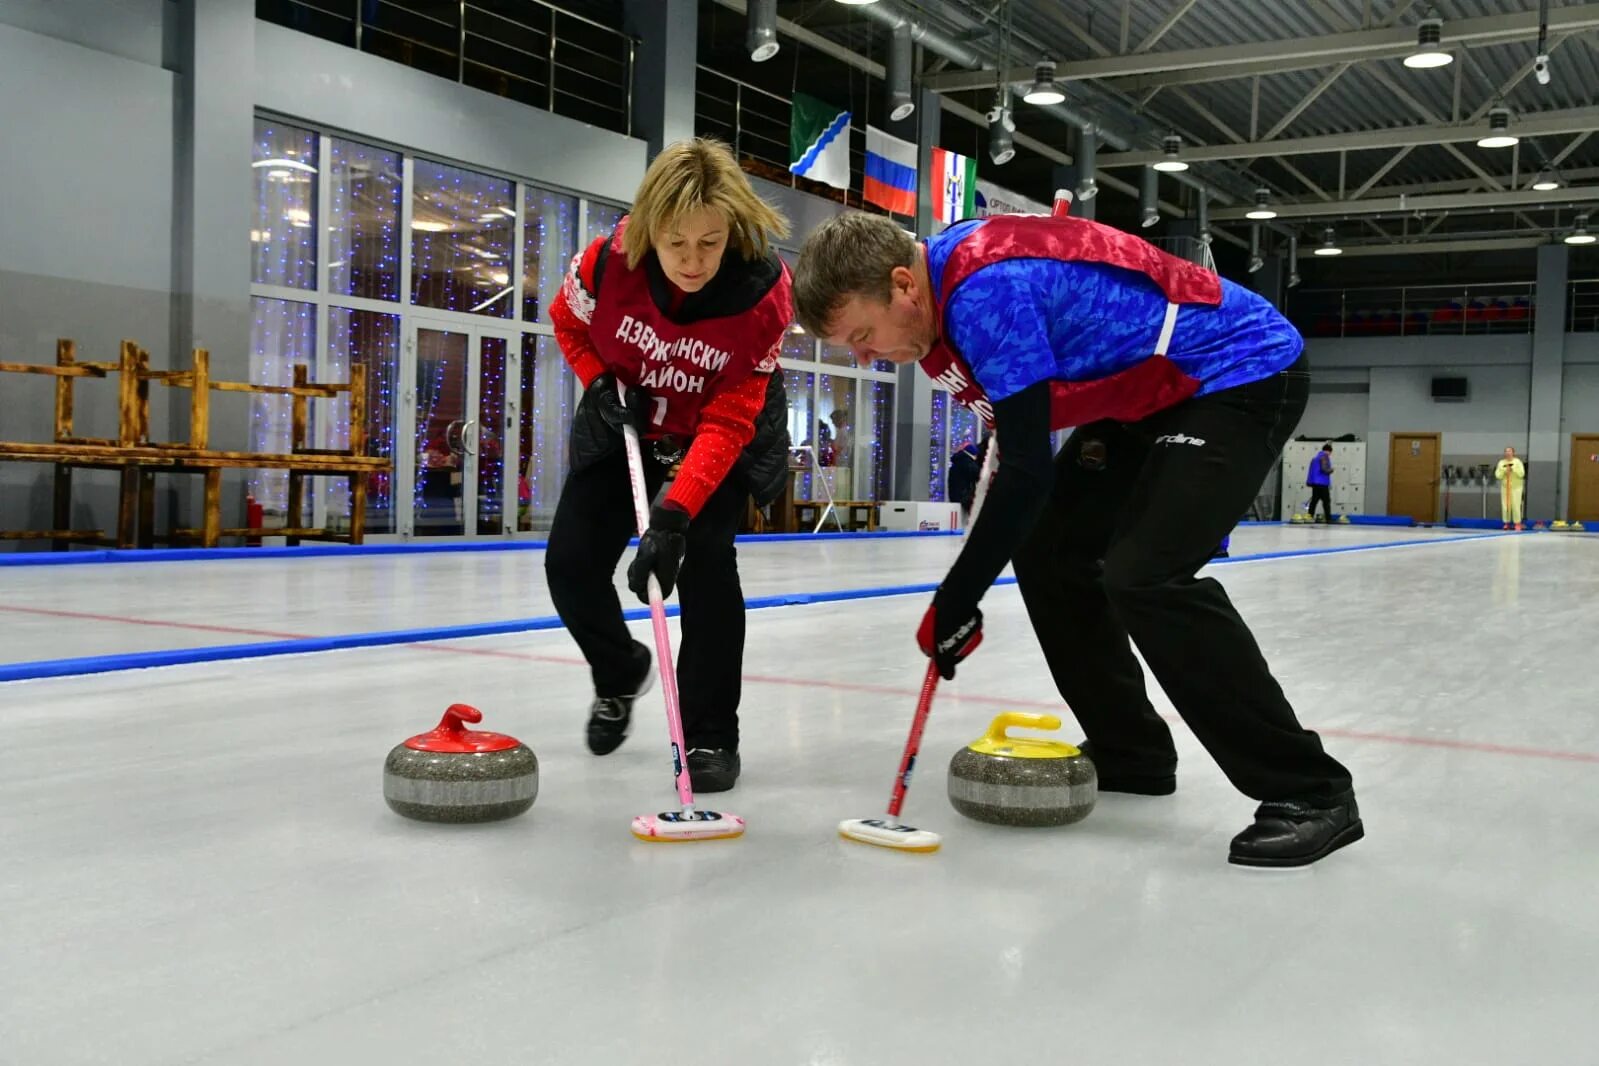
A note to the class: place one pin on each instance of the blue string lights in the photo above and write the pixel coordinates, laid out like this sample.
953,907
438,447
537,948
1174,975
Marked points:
938,449
365,187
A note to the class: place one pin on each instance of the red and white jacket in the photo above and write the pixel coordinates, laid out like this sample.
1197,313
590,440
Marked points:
705,358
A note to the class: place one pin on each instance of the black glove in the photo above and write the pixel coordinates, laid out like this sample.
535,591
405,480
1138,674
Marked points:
660,552
635,412
949,632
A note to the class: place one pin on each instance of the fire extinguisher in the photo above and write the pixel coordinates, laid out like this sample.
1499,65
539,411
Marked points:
254,516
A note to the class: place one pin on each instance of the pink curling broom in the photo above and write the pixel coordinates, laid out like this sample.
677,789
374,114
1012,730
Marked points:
888,832
686,824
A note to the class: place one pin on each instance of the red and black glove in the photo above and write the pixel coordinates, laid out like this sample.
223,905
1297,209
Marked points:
949,632
660,551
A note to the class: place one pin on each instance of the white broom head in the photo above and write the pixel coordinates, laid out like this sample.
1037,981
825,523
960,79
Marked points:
886,833
670,827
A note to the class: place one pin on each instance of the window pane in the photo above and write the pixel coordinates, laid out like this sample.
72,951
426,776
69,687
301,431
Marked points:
282,334
548,389
372,340
800,387
462,226
602,220
800,347
441,430
489,434
548,244
938,446
877,444
964,427
364,189
833,355
835,438
283,224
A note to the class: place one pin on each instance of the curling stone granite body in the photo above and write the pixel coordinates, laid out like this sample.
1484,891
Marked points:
454,774
1022,781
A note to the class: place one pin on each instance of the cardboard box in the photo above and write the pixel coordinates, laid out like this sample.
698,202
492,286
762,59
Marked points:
918,515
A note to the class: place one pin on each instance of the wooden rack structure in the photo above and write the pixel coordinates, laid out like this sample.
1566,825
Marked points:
139,460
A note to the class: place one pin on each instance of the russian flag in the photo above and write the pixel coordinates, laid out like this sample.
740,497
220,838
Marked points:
890,173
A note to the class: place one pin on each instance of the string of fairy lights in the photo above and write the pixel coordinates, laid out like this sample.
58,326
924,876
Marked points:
463,232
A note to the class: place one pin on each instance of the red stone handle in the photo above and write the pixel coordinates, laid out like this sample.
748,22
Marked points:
456,714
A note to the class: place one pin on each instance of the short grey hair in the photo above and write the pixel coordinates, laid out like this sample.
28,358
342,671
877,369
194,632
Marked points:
850,255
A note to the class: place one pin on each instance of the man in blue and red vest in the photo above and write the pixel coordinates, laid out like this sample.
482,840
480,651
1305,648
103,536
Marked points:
1182,388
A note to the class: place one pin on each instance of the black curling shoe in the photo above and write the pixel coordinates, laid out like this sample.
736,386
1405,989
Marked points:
712,769
1295,833
610,716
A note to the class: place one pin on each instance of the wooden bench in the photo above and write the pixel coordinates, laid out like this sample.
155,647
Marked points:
138,460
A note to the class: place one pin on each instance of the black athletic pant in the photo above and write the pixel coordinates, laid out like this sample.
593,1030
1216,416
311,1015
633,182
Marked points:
1319,493
1135,511
593,522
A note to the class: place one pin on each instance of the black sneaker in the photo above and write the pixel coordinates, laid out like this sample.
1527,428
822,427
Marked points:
1294,833
610,716
1136,782
712,769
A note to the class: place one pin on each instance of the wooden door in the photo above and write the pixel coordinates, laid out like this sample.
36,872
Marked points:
1413,473
1584,498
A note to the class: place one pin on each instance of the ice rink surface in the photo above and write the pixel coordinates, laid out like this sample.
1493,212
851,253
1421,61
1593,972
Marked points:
199,867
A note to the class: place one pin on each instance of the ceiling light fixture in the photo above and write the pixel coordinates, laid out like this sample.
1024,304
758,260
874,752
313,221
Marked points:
1044,91
1429,44
1172,164
1329,245
1262,209
1499,135
284,164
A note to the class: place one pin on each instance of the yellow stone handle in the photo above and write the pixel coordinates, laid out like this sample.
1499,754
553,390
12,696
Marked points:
1019,720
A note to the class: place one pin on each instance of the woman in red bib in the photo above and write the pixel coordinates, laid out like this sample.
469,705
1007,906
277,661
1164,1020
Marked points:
685,303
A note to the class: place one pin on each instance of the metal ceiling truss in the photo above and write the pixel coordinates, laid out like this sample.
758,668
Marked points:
1144,71
1545,123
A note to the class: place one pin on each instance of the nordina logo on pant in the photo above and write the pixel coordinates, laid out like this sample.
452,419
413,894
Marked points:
1178,438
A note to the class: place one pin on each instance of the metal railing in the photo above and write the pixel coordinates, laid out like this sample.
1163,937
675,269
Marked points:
544,56
755,122
1582,306
1413,310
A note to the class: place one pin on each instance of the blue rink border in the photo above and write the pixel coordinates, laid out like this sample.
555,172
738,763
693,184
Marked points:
144,660
322,551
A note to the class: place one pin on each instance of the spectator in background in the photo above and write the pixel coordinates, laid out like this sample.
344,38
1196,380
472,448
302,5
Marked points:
964,469
843,437
1511,473
1318,478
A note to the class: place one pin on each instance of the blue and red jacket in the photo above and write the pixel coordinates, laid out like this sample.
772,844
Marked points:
1118,328
1051,322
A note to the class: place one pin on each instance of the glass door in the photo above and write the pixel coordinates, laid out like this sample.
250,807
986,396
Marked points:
460,405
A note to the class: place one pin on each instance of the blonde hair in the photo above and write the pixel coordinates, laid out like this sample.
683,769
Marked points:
688,176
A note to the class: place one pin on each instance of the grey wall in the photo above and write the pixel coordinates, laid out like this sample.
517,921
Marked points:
86,234
132,29
803,211
299,76
1397,373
